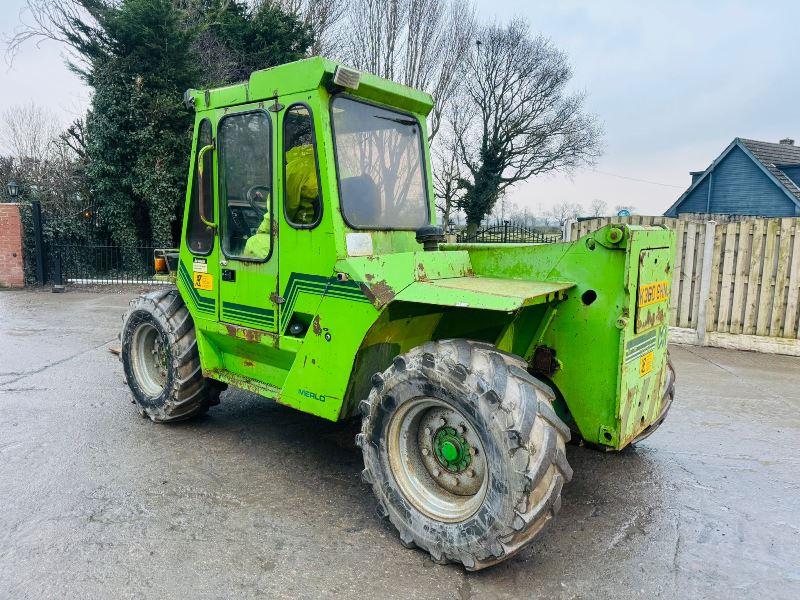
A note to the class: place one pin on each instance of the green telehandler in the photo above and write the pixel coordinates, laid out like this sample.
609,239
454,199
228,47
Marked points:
311,272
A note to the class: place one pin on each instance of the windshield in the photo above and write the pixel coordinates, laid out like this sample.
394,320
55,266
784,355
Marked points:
381,177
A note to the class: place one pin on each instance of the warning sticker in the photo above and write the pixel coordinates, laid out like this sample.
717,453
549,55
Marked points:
199,265
646,364
203,281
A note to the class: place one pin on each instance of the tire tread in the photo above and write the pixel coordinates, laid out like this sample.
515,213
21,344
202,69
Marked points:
522,405
191,393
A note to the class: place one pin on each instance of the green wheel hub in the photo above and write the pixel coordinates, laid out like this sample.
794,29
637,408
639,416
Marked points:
452,450
437,459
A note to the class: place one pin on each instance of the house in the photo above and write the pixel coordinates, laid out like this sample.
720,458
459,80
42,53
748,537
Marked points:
748,178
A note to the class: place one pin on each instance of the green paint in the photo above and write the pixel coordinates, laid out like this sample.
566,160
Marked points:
451,450
356,313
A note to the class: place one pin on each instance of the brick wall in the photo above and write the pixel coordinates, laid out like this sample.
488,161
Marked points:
11,269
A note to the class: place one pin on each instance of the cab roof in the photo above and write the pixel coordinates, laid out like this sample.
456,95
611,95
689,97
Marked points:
306,75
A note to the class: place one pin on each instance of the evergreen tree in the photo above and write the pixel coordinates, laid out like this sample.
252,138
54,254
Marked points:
139,56
138,61
259,37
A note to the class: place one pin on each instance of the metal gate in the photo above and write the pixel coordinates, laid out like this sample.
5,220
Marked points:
506,233
73,249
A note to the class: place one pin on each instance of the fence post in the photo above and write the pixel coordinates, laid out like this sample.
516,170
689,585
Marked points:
58,278
566,230
36,209
705,283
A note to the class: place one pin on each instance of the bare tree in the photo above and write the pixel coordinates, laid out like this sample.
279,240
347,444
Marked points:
62,21
598,208
39,157
420,43
29,134
526,123
562,212
324,17
448,171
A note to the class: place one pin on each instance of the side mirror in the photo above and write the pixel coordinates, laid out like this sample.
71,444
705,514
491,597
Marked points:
202,195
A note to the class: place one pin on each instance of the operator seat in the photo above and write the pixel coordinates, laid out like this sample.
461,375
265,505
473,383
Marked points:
362,201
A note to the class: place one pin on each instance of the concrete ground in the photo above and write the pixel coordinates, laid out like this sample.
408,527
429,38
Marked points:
256,499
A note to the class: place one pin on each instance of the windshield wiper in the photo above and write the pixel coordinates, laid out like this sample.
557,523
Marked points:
409,122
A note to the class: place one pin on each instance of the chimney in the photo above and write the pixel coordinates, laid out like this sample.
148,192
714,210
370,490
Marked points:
787,142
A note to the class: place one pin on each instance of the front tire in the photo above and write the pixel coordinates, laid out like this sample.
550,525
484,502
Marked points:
464,452
160,359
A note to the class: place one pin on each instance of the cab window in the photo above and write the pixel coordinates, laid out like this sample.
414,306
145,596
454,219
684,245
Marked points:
380,165
199,236
301,184
246,185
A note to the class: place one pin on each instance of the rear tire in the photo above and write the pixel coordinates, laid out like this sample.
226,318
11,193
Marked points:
501,429
160,359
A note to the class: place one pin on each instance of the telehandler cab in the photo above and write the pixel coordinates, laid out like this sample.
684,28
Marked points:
310,272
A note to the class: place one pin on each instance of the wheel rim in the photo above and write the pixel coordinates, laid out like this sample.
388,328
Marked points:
437,459
149,359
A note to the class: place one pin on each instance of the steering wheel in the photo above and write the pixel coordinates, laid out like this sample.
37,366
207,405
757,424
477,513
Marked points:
258,198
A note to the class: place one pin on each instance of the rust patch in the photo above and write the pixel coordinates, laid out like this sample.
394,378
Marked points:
250,335
625,410
275,298
652,319
248,363
421,275
369,276
245,383
316,326
378,293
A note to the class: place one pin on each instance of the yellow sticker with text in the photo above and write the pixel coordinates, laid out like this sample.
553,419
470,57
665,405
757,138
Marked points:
203,281
651,293
646,364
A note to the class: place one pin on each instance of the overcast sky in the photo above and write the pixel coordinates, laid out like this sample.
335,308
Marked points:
673,82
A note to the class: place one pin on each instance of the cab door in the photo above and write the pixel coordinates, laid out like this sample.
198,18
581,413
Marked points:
248,275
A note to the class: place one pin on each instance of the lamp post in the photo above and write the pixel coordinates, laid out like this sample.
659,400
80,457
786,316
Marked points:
13,189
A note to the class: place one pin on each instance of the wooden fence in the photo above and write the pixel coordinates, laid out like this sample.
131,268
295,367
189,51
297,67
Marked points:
735,283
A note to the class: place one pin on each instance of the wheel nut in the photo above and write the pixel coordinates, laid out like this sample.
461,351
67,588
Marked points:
436,472
471,473
425,452
472,451
444,421
463,428
427,431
